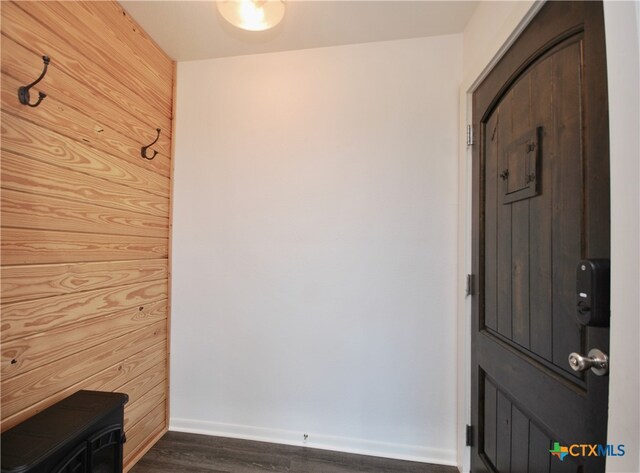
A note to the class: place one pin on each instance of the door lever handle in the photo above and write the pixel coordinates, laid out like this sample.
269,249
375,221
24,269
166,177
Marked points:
596,360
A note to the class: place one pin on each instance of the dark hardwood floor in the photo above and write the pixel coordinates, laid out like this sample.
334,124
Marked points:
180,453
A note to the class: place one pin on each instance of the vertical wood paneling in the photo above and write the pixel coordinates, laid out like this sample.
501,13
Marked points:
521,123
567,213
539,446
85,219
504,227
490,415
513,442
540,213
519,442
491,209
503,434
569,465
530,298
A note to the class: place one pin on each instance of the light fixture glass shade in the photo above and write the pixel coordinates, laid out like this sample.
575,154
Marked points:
252,15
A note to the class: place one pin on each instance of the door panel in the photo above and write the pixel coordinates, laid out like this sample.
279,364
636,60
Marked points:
536,198
538,240
514,442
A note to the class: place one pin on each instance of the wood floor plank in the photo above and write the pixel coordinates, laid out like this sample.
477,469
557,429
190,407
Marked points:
150,465
179,452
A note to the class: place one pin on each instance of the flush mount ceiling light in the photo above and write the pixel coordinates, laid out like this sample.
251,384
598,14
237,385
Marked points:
252,15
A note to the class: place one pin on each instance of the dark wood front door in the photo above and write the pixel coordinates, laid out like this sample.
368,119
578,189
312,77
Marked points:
541,204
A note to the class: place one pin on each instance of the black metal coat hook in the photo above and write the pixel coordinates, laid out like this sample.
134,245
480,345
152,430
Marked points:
143,150
23,92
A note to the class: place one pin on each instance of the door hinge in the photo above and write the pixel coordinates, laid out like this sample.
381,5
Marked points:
469,436
471,285
469,135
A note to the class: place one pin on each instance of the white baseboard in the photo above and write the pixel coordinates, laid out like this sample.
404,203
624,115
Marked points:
325,442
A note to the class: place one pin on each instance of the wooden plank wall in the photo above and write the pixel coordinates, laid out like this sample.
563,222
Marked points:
85,219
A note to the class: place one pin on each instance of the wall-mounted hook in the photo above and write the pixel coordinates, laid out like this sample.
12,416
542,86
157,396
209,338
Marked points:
23,92
143,150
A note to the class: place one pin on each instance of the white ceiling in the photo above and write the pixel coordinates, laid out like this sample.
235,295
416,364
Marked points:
189,30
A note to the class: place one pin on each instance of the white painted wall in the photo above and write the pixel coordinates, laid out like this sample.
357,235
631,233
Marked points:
492,27
314,247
